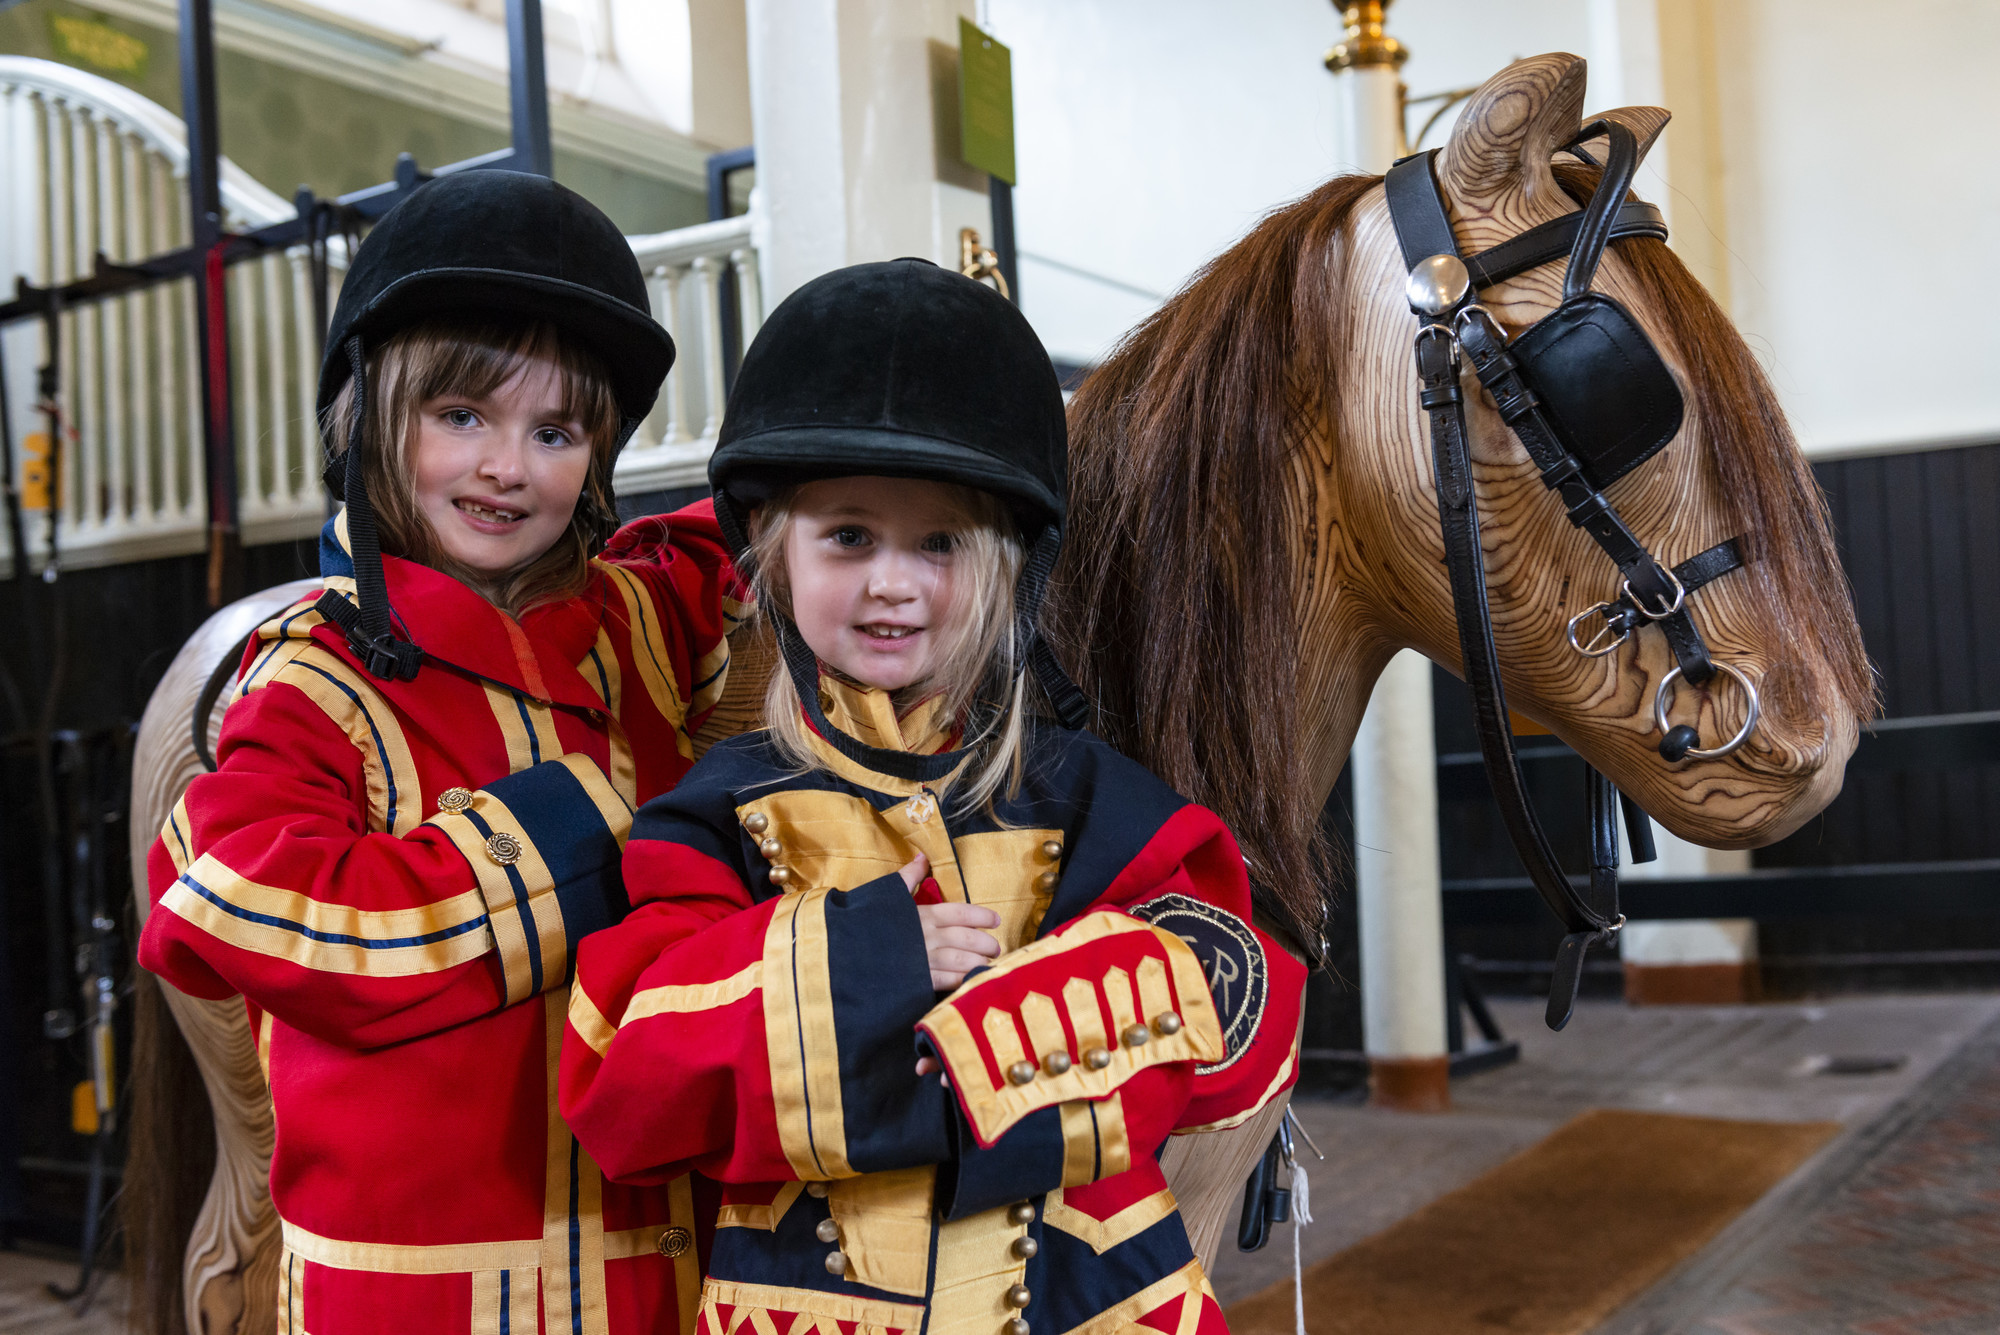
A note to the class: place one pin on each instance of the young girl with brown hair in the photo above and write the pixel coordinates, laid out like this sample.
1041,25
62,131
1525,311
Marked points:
427,774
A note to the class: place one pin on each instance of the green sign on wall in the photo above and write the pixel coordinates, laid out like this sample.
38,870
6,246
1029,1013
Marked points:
985,103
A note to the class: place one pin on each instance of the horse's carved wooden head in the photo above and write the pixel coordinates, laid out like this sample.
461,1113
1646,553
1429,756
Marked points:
1733,469
1254,530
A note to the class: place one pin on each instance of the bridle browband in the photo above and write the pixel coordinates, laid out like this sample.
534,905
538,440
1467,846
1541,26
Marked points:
1589,398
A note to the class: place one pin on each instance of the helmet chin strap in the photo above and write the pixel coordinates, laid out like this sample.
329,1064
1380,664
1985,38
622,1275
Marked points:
366,620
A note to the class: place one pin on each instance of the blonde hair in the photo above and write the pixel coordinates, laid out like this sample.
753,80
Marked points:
438,357
980,660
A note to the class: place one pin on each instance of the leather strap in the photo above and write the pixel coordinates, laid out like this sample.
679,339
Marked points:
1594,232
1416,207
366,621
1458,517
1556,238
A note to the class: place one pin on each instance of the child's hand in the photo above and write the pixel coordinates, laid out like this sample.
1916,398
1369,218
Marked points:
952,937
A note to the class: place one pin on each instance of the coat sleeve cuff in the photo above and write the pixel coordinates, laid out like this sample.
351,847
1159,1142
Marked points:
545,845
846,979
1073,1016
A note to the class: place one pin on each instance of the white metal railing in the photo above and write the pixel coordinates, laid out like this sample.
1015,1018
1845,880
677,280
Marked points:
687,271
88,166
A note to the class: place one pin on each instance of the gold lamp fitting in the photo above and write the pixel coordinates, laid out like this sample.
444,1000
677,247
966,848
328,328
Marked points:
1366,43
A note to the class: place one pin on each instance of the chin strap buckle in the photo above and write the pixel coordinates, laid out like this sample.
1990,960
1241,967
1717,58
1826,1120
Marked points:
385,656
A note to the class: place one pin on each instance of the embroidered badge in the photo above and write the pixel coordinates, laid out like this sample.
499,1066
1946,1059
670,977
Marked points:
922,807
1232,959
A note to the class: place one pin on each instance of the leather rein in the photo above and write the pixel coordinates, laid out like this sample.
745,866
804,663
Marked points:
1455,330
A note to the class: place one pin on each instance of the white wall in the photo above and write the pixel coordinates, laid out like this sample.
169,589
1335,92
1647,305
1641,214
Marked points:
1831,170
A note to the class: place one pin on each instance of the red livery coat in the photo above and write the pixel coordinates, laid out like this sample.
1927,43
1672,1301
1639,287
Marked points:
758,1014
395,876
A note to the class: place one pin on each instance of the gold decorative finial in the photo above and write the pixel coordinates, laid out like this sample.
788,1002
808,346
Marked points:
1366,43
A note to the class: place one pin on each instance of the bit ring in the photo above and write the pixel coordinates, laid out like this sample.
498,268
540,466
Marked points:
1663,697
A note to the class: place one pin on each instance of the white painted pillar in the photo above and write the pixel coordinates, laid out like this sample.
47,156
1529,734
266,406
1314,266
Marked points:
1396,863
1394,758
851,166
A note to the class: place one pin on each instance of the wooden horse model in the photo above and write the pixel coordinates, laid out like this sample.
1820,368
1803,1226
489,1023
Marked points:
1254,534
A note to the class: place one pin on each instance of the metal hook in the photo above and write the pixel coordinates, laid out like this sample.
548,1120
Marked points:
1663,697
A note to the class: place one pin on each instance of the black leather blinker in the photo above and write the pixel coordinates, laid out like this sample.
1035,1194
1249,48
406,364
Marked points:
1611,400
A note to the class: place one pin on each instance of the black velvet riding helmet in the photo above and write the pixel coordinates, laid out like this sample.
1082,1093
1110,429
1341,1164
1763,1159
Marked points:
902,369
478,244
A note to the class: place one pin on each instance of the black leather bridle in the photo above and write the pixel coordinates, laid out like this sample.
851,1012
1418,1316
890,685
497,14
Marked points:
1590,398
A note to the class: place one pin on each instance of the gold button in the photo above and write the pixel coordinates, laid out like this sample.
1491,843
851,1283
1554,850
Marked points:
1046,882
1018,1296
1166,1024
454,799
675,1242
1137,1035
828,1231
1096,1058
770,848
1051,850
816,1190
1016,1326
503,848
1056,1063
1021,1212
780,876
756,822
1021,1073
1024,1248
836,1263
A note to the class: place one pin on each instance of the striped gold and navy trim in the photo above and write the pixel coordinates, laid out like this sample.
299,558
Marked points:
651,654
395,796
334,938
802,1039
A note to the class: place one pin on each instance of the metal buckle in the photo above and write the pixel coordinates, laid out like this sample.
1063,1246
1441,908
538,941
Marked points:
1680,596
1597,647
1664,697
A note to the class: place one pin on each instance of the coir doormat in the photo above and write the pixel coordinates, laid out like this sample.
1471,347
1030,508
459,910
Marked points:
1553,1240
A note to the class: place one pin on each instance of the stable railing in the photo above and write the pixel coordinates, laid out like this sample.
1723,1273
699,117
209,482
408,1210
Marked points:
90,167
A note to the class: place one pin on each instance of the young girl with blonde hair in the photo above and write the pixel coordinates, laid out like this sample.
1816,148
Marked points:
924,978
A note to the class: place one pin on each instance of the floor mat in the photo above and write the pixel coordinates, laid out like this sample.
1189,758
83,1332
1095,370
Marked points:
1552,1240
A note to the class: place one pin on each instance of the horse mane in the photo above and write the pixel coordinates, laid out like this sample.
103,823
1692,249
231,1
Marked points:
1175,602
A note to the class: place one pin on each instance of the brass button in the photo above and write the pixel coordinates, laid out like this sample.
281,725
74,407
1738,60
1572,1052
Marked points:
1016,1326
781,876
675,1242
770,848
1024,1248
1051,850
1021,1212
1056,1063
836,1263
1021,1073
1136,1036
1096,1058
816,1190
1018,1296
1166,1024
828,1231
503,848
756,822
1046,882
454,799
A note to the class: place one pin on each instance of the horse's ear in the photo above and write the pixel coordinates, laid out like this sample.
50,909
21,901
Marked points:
1512,127
1645,123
